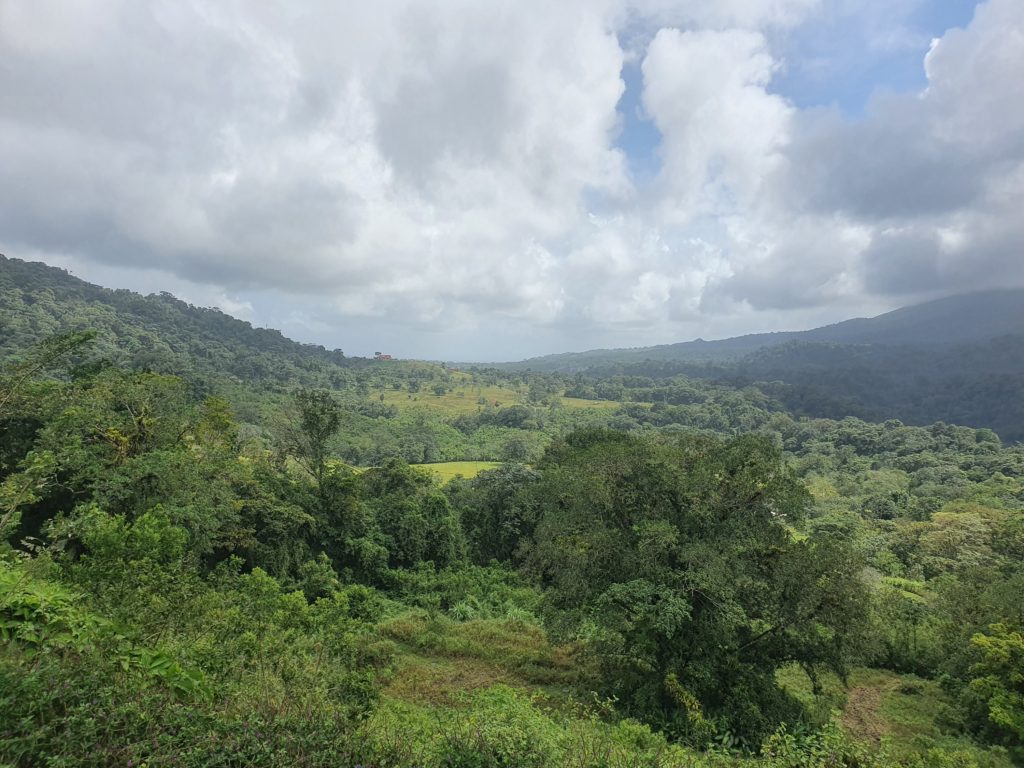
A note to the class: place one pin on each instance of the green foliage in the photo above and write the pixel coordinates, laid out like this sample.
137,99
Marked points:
500,728
214,548
37,615
999,679
318,420
414,519
690,589
498,511
239,651
467,592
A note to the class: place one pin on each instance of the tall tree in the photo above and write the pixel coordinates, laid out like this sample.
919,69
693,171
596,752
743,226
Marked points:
676,559
317,420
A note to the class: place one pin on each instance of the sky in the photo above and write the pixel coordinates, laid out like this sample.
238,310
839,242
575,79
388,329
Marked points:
480,180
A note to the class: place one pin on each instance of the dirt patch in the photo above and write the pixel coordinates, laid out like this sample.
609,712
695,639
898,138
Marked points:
862,717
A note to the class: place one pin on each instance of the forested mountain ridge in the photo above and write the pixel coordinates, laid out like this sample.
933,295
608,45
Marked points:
157,332
959,360
960,373
959,319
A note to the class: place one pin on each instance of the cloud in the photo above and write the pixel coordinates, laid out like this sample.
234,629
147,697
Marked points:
444,168
723,133
929,152
413,157
910,200
727,14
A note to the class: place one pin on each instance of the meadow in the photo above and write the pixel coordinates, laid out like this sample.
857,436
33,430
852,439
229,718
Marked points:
446,470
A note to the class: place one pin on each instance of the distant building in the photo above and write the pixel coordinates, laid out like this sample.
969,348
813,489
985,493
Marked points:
381,356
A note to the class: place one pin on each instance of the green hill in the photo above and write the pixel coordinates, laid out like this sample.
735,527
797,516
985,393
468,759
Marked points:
156,332
952,320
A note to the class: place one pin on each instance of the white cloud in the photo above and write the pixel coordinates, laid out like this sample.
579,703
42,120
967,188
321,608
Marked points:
419,166
723,132
817,209
448,167
728,14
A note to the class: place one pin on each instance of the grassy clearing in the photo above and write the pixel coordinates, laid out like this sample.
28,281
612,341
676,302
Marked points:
446,470
502,681
440,682
877,705
578,402
457,656
462,400
503,726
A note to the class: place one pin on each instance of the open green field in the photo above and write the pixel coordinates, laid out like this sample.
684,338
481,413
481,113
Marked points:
446,470
579,402
461,400
471,398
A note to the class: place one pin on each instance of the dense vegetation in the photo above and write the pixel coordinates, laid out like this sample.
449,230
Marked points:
980,384
223,554
959,359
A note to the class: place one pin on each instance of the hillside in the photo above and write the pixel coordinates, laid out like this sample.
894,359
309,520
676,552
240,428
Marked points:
157,332
952,320
958,360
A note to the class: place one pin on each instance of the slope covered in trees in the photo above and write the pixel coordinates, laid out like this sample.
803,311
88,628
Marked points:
958,360
966,318
156,332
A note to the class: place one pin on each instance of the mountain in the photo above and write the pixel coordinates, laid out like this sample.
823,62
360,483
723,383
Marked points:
953,320
958,360
156,332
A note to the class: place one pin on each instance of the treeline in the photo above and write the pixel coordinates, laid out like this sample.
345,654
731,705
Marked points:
979,385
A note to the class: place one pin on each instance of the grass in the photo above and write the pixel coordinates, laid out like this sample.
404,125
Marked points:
441,681
438,659
461,400
446,470
579,402
878,705
444,668
502,725
466,398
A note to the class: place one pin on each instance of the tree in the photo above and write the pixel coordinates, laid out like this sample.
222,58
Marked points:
414,520
999,678
317,421
44,356
498,512
677,563
515,448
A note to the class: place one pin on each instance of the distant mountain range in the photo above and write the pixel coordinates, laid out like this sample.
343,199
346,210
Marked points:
959,360
950,321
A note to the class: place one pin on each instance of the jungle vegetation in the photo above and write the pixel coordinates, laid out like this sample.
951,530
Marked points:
219,547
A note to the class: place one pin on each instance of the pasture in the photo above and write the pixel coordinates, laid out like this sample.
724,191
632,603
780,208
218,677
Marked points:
446,470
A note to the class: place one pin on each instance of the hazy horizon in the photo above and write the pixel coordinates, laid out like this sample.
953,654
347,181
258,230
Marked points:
456,359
